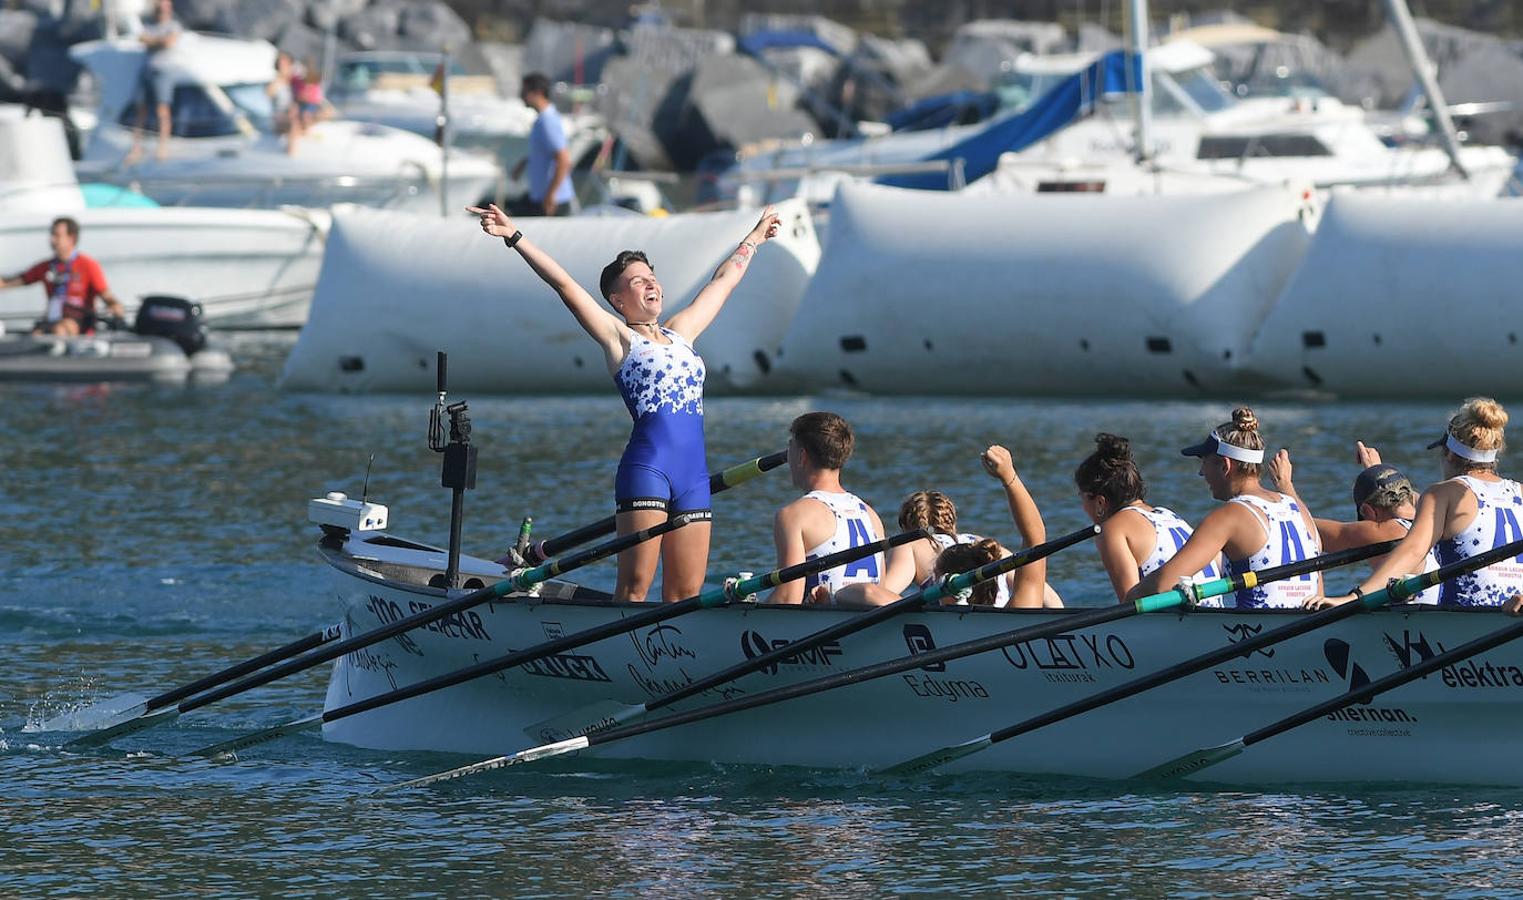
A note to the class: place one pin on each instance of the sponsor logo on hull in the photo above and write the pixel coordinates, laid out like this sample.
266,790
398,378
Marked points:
1470,674
1069,658
574,666
918,639
754,644
1340,657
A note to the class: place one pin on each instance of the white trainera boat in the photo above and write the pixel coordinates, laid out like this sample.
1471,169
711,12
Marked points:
1458,725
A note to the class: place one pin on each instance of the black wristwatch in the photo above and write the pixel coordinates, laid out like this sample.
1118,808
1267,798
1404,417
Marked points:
513,239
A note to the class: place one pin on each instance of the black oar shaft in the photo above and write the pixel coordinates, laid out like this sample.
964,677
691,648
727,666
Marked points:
847,627
1394,680
417,620
718,481
300,645
597,633
1068,622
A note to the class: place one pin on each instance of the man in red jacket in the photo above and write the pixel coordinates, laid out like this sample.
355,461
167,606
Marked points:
72,280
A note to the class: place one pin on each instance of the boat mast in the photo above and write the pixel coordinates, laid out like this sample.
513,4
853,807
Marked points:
1142,98
1417,57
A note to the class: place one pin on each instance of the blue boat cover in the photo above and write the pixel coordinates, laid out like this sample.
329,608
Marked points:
1069,100
942,110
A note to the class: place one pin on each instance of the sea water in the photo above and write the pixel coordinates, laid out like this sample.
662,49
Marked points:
153,534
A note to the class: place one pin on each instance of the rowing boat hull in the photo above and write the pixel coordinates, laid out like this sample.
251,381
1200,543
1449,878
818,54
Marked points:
1460,726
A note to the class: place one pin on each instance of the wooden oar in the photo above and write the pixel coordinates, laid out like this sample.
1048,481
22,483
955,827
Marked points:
1071,622
733,590
129,706
1197,760
718,482
520,580
605,715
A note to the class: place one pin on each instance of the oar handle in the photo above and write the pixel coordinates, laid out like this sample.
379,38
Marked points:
864,620
527,578
710,598
1233,583
300,645
1394,680
718,482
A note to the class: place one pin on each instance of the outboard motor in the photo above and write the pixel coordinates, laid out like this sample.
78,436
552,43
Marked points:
173,317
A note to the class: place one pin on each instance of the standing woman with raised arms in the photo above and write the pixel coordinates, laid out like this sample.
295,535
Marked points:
1256,528
663,471
1131,547
1473,510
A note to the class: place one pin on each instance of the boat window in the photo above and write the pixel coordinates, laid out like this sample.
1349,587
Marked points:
1231,146
253,102
1165,102
1202,87
192,113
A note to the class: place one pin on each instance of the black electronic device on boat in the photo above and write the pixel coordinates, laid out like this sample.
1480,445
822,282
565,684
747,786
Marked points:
458,472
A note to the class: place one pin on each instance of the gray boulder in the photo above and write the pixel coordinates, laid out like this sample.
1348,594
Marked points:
302,42
264,20
565,50
17,26
372,28
207,15
325,14
434,25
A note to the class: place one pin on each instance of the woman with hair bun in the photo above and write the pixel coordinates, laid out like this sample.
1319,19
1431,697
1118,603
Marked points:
1131,546
1255,528
1471,511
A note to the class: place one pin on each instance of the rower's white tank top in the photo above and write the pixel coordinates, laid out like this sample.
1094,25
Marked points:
1170,532
1430,562
1001,592
1499,510
1287,539
854,527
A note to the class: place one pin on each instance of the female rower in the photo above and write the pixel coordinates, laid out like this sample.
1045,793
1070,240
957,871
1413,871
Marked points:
1471,511
663,471
1131,546
1256,528
913,563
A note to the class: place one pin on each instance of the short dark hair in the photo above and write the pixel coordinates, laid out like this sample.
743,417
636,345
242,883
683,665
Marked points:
537,82
613,270
69,224
825,436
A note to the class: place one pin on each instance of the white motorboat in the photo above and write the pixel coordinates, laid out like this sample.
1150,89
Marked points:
224,150
247,268
1200,139
167,342
1456,726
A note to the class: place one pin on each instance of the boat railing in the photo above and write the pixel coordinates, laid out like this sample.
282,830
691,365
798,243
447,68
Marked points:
265,192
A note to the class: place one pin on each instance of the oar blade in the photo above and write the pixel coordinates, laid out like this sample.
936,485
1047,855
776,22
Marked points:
488,765
104,714
126,727
230,749
937,758
1192,762
585,720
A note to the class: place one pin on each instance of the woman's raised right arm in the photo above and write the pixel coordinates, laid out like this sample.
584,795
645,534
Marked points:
600,324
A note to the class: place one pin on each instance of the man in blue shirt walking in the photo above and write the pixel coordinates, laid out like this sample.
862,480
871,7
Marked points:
548,164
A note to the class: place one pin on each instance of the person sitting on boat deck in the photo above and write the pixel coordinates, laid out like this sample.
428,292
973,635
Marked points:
1256,528
663,470
1131,547
547,165
1470,512
73,282
828,518
1384,506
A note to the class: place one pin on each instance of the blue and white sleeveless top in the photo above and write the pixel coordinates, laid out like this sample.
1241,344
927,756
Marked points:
1287,539
854,527
1170,533
662,386
1002,586
1497,517
1430,562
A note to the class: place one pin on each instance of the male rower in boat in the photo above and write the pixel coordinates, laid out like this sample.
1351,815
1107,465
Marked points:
663,471
1131,547
1384,505
1256,528
73,282
1471,511
828,518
